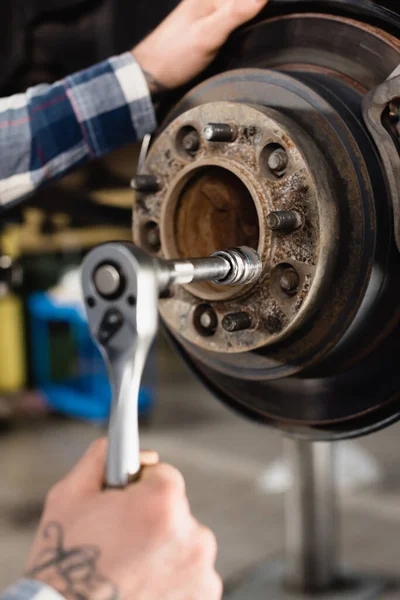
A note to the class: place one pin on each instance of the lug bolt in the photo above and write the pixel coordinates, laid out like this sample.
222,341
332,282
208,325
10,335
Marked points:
191,141
289,281
278,161
236,322
206,320
220,132
284,220
146,183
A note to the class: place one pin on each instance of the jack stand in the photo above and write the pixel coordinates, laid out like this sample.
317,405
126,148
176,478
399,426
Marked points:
312,569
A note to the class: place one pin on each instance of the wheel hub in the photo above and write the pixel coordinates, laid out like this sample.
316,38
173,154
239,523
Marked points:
223,195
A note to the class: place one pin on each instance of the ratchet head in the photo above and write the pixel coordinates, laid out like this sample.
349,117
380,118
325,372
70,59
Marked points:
121,294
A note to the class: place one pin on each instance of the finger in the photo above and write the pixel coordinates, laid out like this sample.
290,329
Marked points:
241,11
229,17
164,478
208,546
88,474
149,458
211,587
196,10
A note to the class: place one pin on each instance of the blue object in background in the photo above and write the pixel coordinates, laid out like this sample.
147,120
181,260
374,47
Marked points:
68,369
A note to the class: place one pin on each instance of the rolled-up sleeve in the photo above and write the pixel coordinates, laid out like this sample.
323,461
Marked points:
52,128
30,589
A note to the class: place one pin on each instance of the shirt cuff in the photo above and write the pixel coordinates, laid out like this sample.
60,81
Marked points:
112,104
30,589
134,86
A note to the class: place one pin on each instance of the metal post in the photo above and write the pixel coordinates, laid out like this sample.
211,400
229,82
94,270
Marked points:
311,570
311,517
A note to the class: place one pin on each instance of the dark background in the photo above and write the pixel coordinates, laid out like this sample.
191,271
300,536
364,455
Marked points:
43,40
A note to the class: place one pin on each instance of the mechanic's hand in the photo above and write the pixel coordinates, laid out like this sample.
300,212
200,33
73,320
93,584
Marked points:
140,543
190,37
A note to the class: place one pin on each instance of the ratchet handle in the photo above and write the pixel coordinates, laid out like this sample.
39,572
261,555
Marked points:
121,300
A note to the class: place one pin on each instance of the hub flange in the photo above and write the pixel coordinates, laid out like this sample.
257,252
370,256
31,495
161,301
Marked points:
222,195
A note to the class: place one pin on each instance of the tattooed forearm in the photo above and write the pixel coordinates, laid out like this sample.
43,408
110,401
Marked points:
156,88
72,570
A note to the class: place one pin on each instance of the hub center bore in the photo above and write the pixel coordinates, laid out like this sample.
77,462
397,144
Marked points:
214,210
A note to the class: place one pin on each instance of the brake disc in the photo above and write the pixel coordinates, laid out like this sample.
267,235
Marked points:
318,357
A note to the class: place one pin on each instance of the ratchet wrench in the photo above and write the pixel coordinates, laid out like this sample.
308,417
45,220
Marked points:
121,285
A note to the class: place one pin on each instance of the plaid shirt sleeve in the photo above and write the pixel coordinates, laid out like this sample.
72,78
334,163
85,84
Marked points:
52,128
30,589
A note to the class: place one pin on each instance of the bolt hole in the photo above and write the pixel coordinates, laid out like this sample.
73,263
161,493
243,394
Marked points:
151,237
91,302
167,294
274,161
205,320
188,141
286,278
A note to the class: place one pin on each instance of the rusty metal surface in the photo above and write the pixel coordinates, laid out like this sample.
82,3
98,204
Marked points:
337,375
356,52
348,181
339,56
221,197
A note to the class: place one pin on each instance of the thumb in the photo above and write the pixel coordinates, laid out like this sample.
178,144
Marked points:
88,475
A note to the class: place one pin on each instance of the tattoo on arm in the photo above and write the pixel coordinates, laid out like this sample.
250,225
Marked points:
72,571
157,90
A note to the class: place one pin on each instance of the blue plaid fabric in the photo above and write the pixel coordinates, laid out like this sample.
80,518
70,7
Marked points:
52,128
30,589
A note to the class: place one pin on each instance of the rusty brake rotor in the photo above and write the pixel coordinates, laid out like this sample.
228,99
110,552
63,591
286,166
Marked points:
317,354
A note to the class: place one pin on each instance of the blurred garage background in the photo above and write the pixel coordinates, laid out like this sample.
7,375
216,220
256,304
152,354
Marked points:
54,395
